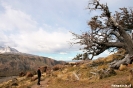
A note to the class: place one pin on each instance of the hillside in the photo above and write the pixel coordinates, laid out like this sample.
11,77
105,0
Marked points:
14,63
84,74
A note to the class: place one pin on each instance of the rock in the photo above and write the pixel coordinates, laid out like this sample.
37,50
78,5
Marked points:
122,67
58,67
43,69
14,82
49,71
29,74
74,65
21,74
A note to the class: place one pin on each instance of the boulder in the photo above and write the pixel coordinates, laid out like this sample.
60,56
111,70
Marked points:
43,69
29,74
49,71
21,74
58,67
122,67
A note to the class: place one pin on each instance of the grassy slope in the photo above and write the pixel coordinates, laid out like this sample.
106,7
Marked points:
65,78
121,78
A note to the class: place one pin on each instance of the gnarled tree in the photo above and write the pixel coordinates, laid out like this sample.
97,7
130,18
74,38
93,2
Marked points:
108,31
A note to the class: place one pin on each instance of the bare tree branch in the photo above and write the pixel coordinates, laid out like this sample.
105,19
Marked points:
107,30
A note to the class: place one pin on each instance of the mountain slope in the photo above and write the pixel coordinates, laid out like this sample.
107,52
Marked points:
13,64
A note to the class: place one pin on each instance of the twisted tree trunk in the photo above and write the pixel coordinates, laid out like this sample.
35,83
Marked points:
128,59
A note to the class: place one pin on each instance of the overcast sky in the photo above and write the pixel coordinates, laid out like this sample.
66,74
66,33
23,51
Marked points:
41,27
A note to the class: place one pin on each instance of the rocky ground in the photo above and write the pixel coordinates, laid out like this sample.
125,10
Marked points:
122,78
86,74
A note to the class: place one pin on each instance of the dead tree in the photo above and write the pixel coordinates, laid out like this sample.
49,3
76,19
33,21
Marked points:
108,31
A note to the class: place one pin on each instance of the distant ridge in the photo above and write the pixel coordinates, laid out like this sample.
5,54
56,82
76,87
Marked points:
12,62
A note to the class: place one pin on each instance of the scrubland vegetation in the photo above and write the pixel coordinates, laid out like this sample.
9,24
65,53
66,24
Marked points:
83,74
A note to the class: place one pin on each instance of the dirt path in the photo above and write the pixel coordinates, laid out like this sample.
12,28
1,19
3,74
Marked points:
43,84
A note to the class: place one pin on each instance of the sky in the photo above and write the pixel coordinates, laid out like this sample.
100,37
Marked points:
42,27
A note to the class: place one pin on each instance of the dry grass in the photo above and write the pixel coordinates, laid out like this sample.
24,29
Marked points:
59,83
65,78
23,82
120,79
84,82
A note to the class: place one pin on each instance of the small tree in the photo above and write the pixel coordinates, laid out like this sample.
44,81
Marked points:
83,56
108,32
78,57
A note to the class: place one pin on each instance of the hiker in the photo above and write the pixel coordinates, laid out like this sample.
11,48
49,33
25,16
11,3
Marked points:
39,76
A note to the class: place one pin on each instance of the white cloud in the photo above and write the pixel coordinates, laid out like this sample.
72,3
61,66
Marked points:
13,19
42,41
63,53
5,40
19,30
43,26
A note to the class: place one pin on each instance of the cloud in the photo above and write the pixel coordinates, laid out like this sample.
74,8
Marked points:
43,41
63,53
12,19
43,26
4,39
19,30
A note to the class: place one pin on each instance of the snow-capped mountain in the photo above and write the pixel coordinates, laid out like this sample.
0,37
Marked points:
8,49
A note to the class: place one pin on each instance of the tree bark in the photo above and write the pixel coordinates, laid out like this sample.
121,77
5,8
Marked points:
127,60
127,40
